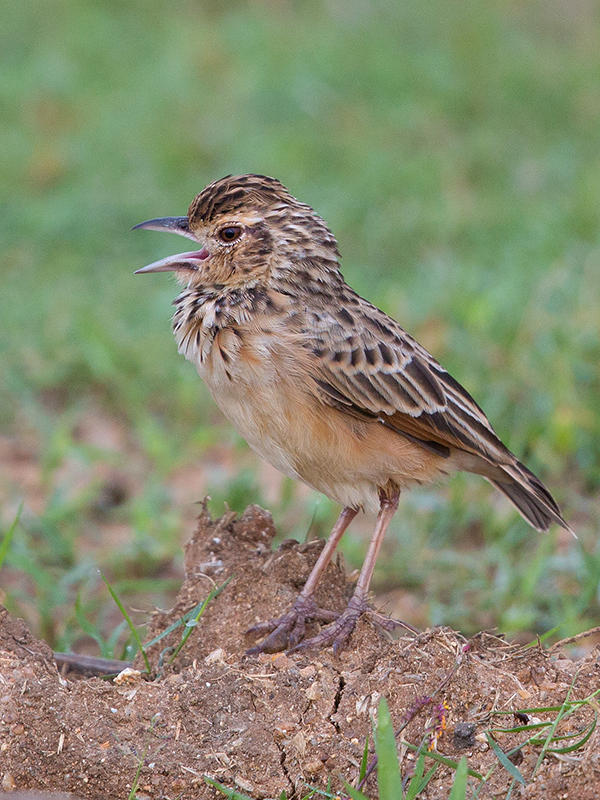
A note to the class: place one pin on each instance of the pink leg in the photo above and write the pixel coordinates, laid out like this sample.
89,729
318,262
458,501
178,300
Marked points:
339,631
386,512
288,630
339,529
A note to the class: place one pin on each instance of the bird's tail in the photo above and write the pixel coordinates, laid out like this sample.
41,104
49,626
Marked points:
529,495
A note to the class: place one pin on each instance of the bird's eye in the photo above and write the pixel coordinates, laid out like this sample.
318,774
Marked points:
230,233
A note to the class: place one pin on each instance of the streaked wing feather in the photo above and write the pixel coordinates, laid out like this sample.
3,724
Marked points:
374,369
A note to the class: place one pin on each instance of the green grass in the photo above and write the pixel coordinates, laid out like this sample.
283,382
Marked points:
454,152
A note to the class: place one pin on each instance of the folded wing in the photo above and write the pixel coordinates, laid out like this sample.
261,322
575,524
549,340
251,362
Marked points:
365,364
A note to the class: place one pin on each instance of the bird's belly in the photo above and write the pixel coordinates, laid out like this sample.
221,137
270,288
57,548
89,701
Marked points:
255,419
345,458
255,402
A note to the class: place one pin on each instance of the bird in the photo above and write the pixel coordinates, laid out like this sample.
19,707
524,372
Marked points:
321,383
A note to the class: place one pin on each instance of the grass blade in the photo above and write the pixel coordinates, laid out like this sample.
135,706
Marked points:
554,726
587,732
541,639
355,794
181,621
531,726
7,538
389,780
447,762
428,776
459,787
136,780
313,791
504,760
415,785
86,626
129,621
363,762
232,794
193,621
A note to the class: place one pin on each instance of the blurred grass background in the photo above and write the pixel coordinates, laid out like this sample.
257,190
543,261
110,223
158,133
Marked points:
454,149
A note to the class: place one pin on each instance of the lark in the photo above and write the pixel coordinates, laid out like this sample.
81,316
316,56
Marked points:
322,384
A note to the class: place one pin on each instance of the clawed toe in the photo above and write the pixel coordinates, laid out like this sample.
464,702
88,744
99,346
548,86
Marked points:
278,639
388,623
287,631
337,633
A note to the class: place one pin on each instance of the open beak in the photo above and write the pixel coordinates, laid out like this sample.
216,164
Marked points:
178,261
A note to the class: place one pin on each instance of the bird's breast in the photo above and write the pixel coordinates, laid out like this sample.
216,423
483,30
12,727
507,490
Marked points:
246,373
261,381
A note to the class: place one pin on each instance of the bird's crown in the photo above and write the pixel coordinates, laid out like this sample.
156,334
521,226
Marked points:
239,192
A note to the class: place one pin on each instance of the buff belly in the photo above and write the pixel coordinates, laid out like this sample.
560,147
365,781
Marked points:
349,460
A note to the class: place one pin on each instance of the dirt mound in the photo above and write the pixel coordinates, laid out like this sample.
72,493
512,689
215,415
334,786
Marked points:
271,723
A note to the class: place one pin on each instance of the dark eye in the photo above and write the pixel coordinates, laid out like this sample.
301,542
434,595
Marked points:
230,233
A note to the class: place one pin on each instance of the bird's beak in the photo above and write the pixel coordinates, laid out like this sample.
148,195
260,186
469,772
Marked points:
178,261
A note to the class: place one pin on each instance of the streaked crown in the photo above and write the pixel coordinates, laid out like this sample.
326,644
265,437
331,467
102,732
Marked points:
237,192
294,223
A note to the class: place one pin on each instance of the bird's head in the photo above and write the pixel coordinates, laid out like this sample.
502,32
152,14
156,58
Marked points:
245,226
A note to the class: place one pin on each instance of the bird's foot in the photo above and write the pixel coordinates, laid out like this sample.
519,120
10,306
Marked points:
287,631
338,632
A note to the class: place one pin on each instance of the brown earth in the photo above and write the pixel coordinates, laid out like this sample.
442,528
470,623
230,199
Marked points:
271,723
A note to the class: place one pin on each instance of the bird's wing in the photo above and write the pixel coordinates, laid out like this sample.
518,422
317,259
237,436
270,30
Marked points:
364,363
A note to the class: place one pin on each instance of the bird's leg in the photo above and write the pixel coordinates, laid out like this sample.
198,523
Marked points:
288,630
338,632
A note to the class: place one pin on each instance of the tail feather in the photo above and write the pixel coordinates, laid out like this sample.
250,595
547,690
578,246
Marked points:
529,495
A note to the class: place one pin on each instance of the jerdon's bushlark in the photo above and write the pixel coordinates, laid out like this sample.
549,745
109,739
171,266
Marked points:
321,384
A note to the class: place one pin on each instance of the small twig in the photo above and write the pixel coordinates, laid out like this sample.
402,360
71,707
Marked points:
90,665
418,706
576,638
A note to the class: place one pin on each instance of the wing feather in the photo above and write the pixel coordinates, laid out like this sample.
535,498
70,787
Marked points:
364,363
369,366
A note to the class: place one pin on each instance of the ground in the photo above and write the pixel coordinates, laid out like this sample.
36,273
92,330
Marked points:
282,722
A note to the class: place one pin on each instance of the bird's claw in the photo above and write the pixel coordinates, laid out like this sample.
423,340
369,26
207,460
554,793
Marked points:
287,631
338,632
